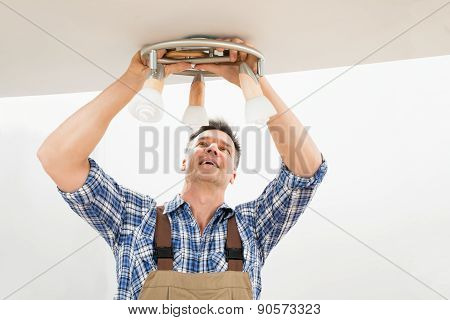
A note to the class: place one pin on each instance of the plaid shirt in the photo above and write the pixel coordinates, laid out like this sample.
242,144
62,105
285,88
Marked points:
126,220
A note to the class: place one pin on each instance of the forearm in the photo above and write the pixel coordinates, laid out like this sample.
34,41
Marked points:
295,145
76,137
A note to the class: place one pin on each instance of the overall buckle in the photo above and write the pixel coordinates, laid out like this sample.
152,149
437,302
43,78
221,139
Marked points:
234,254
163,252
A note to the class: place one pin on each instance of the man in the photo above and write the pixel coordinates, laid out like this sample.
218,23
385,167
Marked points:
198,224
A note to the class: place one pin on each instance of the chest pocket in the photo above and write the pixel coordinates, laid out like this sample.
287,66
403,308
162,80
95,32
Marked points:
189,261
217,261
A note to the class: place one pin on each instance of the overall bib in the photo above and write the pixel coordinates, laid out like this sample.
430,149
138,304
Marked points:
166,284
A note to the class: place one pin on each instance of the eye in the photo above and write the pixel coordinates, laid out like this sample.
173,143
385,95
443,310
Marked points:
227,150
201,143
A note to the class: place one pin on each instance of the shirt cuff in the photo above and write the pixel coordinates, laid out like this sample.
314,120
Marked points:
288,179
86,193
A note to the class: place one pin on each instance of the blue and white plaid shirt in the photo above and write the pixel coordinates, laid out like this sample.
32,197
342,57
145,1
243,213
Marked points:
126,220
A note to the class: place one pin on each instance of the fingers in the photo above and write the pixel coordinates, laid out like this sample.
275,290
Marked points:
248,44
176,67
233,53
220,49
160,53
252,62
214,68
250,59
243,56
228,72
137,58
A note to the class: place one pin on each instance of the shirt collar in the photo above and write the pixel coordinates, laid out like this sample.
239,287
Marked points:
177,201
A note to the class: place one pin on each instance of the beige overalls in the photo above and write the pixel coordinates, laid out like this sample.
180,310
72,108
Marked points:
166,284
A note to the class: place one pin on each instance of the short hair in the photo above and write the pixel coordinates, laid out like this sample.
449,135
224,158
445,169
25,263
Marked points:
222,125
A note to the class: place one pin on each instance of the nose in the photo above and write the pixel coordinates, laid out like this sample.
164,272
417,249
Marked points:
212,148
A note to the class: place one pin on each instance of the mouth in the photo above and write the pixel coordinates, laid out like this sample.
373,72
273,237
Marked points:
208,162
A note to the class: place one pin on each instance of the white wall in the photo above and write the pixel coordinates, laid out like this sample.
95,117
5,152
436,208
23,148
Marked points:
382,128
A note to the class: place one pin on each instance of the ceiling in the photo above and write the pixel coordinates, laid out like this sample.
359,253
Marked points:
51,47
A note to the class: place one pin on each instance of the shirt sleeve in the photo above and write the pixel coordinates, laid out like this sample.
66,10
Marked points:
281,203
111,209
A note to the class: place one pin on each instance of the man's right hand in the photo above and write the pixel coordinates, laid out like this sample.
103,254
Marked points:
140,72
137,68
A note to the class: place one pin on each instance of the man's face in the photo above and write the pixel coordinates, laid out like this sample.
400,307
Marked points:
211,158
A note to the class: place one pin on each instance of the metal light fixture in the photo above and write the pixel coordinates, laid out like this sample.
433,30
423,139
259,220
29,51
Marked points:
148,104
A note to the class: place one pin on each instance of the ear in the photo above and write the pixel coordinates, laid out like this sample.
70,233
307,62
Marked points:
183,165
233,177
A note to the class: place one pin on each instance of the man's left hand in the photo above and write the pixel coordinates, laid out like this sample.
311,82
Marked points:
230,71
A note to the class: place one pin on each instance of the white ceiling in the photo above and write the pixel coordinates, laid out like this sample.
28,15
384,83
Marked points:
53,47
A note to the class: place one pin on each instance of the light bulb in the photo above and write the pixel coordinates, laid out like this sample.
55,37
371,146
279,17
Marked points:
144,110
195,114
258,109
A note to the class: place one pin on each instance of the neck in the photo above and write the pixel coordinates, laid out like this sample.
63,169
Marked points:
203,199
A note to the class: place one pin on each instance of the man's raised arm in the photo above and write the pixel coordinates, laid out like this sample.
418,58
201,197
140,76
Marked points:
64,154
295,145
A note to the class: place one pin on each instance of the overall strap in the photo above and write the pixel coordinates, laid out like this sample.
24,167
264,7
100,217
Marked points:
233,250
163,240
